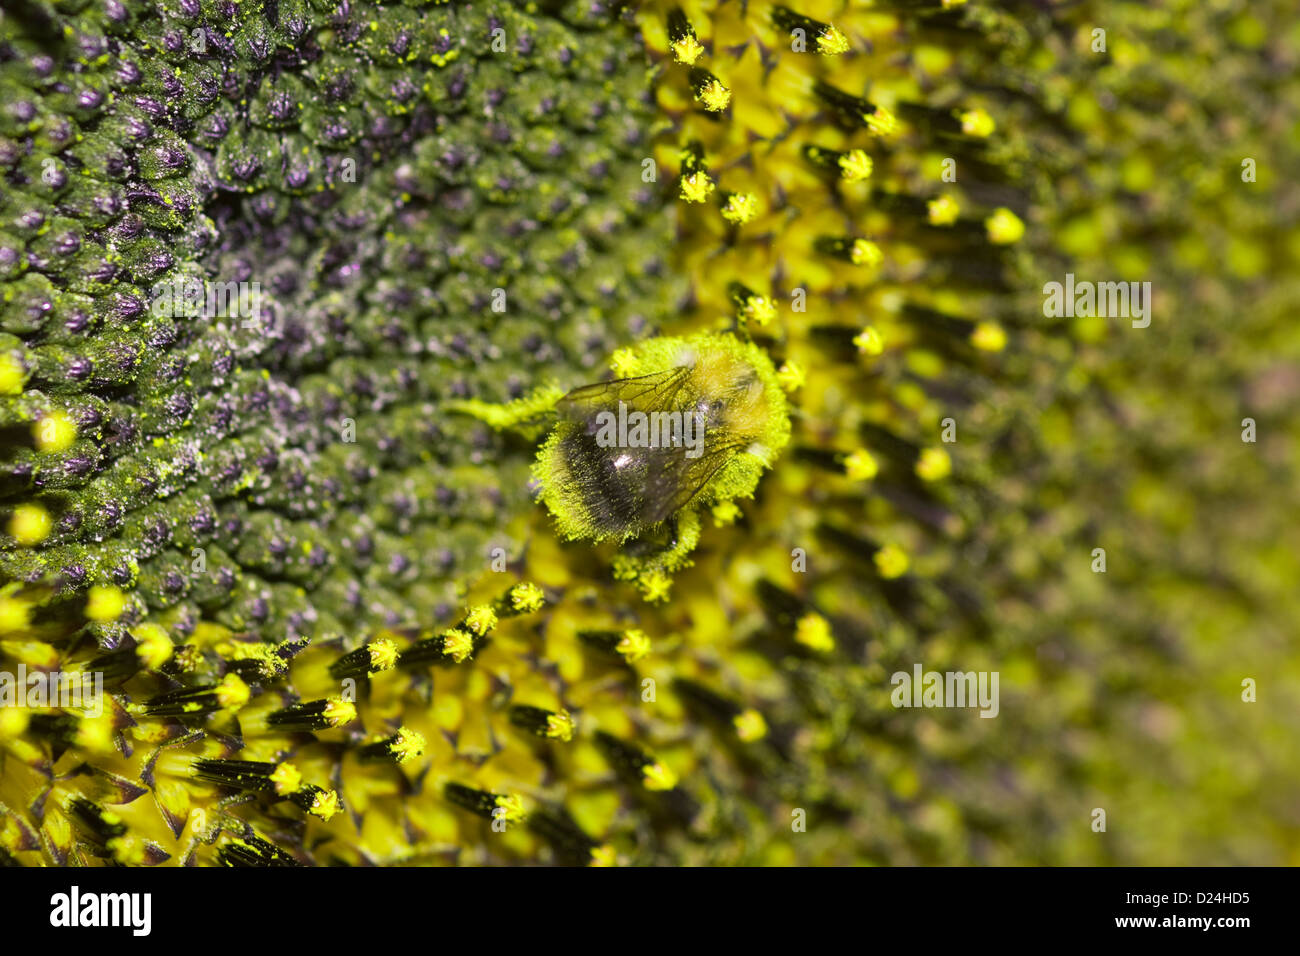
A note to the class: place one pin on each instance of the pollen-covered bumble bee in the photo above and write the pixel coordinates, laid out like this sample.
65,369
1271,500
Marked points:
688,422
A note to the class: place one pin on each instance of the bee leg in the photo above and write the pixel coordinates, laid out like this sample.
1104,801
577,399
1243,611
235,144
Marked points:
524,411
653,571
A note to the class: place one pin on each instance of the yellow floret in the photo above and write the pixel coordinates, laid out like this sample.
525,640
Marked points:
855,165
687,50
989,337
869,342
860,465
814,632
933,464
977,123
750,726
634,645
831,42
865,252
1004,227
942,211
658,777
891,561
740,208
714,97
696,187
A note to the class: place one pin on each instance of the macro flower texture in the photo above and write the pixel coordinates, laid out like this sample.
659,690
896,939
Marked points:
585,433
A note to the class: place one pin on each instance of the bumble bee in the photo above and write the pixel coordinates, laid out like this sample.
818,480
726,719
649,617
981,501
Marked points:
688,422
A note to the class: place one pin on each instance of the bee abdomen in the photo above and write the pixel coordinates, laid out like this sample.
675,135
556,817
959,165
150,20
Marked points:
608,484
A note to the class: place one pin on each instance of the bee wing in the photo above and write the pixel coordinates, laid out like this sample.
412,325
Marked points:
647,393
673,480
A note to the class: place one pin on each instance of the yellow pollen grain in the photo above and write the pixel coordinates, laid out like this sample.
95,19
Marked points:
759,310
623,363
13,722
604,855
725,513
15,614
655,586
95,734
513,807
127,850
526,598
153,646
